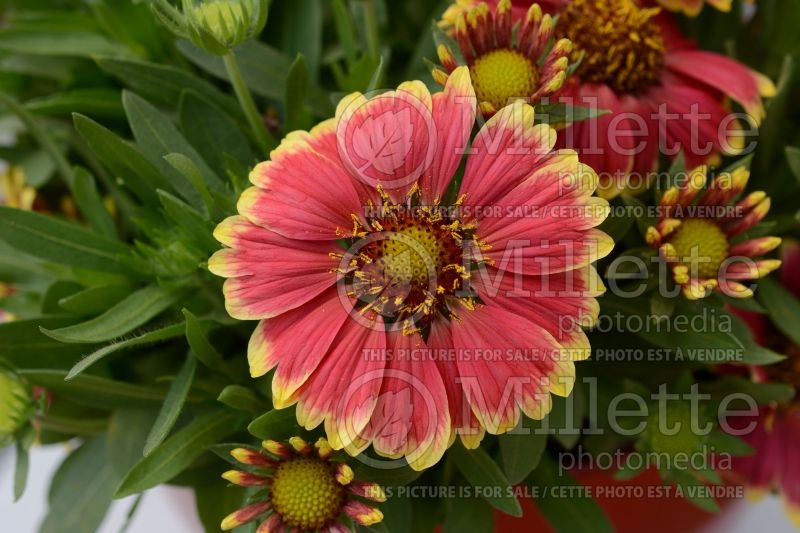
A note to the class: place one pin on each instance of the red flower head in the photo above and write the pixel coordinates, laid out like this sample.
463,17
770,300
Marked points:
663,93
382,283
775,463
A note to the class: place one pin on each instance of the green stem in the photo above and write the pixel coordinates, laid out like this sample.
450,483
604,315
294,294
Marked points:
263,137
373,38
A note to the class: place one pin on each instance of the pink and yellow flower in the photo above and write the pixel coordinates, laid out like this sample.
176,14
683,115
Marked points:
304,489
692,8
381,300
664,94
699,234
504,65
519,7
775,463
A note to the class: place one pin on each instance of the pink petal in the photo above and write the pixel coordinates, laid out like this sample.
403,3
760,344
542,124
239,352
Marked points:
673,105
269,274
388,141
505,369
790,273
408,420
453,115
611,156
302,192
725,75
504,152
463,420
560,303
547,221
344,388
296,342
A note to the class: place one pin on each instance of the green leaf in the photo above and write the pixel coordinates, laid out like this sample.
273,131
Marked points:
123,159
61,242
158,335
276,424
157,137
173,405
197,226
563,114
296,88
21,471
783,308
197,336
345,31
391,474
179,451
81,490
23,344
481,471
130,23
575,513
90,204
724,443
126,434
215,499
98,102
265,71
58,43
186,166
301,32
243,399
94,300
95,391
212,132
468,514
41,135
521,453
793,157
124,317
761,393
694,491
164,84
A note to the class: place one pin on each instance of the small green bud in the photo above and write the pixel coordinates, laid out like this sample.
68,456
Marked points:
673,431
217,26
16,405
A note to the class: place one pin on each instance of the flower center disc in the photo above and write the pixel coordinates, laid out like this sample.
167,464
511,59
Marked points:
305,493
701,245
621,44
502,74
409,263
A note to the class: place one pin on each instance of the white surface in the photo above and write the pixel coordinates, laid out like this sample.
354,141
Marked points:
162,510
171,510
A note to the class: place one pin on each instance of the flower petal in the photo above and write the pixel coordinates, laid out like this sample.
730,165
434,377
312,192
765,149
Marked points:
505,151
301,192
453,115
407,420
387,141
343,389
269,274
724,74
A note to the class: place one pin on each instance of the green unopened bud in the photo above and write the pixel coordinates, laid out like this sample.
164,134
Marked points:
216,26
16,405
675,430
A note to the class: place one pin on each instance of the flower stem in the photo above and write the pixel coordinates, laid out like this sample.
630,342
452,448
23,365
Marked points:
263,137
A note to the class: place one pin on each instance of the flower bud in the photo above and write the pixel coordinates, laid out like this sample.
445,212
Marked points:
16,405
217,26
